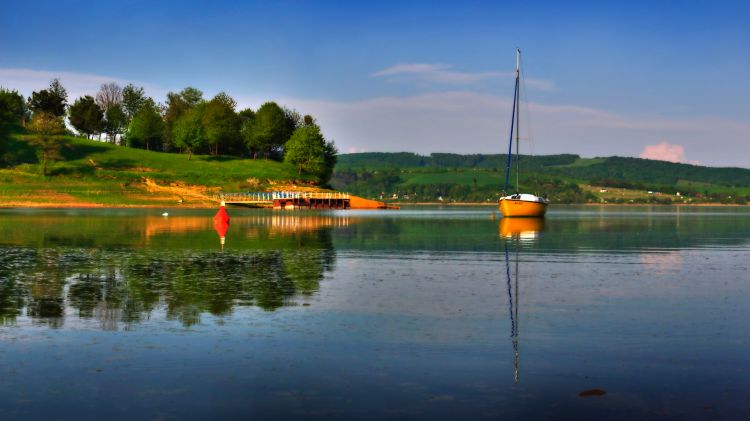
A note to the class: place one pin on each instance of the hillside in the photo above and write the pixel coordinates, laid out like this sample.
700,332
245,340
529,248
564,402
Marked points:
97,173
564,178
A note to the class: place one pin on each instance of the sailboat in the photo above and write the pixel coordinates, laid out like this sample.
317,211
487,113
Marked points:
519,204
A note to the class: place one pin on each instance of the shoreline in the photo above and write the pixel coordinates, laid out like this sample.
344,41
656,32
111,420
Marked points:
88,205
572,204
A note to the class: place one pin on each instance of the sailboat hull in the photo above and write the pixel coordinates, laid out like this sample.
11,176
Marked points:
512,208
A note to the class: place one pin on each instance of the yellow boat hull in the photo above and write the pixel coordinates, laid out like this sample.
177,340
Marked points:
522,208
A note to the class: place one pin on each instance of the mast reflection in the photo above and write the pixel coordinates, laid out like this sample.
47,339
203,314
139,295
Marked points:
515,231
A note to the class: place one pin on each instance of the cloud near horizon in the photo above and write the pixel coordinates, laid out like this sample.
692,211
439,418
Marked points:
27,81
442,74
664,151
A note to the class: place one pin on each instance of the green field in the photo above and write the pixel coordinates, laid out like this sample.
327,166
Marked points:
100,173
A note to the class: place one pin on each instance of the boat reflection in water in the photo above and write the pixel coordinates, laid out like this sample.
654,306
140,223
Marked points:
514,232
522,229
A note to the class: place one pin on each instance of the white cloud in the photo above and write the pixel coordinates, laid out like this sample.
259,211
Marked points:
664,151
77,84
442,74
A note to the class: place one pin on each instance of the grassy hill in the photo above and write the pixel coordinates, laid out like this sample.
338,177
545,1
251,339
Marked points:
98,173
564,178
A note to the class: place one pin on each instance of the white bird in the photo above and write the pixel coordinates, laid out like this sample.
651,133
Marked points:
165,214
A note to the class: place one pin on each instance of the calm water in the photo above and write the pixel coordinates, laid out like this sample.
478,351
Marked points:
420,313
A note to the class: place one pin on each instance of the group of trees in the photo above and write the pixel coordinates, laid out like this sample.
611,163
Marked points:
186,123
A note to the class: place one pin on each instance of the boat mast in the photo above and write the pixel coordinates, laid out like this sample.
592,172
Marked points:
512,123
518,112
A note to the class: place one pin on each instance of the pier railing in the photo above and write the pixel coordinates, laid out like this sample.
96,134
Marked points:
269,197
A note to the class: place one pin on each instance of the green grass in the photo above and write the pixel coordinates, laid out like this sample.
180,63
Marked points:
106,174
711,188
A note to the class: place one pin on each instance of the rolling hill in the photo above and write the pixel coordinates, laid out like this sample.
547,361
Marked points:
564,178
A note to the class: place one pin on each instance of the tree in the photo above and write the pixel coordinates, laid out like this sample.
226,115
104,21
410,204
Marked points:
247,114
306,150
133,98
45,127
109,95
330,156
268,131
308,120
146,129
221,123
177,105
293,120
189,133
114,121
52,100
12,107
86,116
191,96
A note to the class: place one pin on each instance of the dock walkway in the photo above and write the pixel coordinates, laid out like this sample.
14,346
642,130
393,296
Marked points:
289,199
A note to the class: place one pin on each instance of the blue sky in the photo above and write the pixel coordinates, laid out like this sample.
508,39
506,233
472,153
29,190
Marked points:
603,78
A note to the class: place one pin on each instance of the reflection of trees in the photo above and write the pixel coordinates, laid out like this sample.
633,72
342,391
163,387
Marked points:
113,286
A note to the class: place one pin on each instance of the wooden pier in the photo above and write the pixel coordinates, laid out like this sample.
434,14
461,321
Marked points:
289,199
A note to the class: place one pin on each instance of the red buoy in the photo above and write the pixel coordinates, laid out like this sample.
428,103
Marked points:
221,223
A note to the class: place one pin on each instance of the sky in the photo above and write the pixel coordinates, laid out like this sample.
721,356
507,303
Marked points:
655,79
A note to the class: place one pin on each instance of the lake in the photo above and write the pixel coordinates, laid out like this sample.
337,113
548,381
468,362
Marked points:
421,313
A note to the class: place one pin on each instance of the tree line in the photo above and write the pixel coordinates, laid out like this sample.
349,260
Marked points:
186,123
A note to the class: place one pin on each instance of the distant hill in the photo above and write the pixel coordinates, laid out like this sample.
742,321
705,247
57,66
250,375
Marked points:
565,177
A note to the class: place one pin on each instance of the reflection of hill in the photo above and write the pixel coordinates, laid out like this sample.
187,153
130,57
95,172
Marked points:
615,233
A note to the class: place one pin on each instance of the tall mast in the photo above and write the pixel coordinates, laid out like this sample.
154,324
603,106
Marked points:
512,124
518,111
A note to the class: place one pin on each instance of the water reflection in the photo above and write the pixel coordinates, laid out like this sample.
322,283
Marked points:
515,231
521,229
283,264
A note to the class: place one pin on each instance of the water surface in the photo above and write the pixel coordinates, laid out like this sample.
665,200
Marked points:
420,313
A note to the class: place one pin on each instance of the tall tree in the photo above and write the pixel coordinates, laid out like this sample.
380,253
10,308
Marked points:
146,129
191,96
177,105
293,119
306,150
86,116
109,95
12,112
52,100
330,156
133,98
268,131
12,107
189,133
222,124
114,122
45,127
